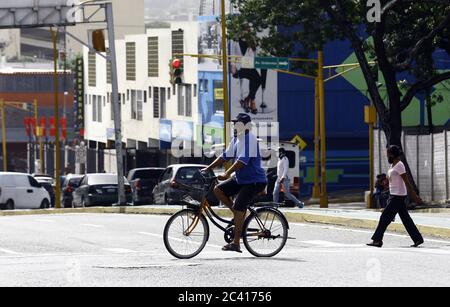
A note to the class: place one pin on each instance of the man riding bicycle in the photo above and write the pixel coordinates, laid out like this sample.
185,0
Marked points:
250,179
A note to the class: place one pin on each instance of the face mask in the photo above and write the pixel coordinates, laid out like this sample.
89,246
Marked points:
390,160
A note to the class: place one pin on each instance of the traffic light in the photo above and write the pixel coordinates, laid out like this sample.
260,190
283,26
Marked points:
97,38
176,71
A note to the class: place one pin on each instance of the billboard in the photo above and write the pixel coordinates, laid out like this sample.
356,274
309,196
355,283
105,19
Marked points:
37,13
209,43
252,91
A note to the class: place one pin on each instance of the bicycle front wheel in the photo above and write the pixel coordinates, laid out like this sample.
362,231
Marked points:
265,233
186,234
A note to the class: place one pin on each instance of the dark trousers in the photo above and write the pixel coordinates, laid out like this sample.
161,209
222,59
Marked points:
255,80
396,205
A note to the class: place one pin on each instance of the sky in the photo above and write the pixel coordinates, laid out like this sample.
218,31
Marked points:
157,7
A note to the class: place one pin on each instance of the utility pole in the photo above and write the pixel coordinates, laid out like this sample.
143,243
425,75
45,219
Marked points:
5,162
316,188
323,150
115,102
56,111
225,72
39,136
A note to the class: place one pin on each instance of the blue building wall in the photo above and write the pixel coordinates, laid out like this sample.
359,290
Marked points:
347,134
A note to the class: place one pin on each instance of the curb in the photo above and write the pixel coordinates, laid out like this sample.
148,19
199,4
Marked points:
292,218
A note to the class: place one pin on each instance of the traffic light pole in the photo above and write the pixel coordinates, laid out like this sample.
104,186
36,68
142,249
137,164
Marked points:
225,73
323,150
5,160
39,137
56,110
116,106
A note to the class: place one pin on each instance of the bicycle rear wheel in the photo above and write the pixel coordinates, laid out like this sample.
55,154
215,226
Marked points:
265,233
186,234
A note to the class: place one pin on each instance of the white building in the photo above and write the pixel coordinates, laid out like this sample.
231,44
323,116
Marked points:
154,112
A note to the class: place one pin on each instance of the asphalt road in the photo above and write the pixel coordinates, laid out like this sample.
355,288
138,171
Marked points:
127,250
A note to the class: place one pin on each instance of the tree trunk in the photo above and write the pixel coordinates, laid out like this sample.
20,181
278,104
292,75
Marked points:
394,137
429,111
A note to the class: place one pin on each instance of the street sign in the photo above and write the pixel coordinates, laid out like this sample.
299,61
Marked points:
218,94
299,142
272,63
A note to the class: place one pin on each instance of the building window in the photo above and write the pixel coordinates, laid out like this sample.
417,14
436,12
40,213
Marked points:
131,61
99,109
153,57
163,108
145,96
92,69
150,92
195,90
178,44
168,93
140,100
188,90
156,102
184,100
218,96
108,72
133,105
204,83
181,110
94,108
137,99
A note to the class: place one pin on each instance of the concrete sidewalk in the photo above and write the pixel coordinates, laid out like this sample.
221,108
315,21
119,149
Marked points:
435,224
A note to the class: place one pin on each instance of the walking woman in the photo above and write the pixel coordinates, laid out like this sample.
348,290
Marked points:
398,184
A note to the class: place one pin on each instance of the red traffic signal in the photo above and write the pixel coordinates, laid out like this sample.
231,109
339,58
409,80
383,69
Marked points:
176,64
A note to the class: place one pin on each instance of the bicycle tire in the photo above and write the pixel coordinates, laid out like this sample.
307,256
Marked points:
285,229
168,239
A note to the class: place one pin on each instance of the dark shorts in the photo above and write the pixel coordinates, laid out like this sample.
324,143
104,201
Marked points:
245,193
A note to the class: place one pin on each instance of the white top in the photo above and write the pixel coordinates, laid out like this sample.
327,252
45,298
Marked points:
283,167
397,186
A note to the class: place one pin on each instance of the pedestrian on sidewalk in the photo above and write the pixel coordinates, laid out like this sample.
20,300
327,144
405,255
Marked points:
398,186
284,180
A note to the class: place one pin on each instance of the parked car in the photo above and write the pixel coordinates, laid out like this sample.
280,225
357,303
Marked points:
71,183
48,183
46,178
168,191
49,188
22,191
143,181
99,190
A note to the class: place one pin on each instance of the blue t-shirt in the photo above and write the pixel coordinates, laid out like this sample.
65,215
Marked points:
245,149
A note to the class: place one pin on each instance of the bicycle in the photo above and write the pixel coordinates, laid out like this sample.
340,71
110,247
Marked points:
187,232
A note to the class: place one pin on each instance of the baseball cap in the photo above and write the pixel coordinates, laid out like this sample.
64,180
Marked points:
242,118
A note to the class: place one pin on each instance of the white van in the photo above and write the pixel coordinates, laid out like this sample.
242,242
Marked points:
22,191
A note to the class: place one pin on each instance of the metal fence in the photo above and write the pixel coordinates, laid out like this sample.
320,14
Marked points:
428,158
